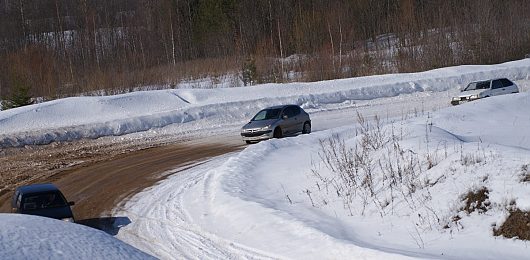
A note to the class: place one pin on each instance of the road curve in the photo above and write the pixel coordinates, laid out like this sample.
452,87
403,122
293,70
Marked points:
99,187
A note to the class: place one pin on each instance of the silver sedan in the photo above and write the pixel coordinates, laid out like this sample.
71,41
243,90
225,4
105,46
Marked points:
276,122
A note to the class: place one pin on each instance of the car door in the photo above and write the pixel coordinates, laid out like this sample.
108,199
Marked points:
288,120
497,88
485,86
14,201
509,86
298,120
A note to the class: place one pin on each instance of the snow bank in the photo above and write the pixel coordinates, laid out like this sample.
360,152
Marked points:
93,117
270,189
32,237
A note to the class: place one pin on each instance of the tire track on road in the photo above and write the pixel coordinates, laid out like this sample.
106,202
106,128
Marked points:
162,226
97,188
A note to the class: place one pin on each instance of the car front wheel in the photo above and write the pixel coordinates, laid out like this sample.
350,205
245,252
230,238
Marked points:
307,128
277,133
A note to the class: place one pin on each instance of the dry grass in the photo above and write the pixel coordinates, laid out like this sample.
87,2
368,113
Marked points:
163,75
477,201
525,173
517,225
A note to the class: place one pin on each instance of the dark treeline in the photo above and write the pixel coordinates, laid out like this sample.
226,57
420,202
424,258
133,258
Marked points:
56,48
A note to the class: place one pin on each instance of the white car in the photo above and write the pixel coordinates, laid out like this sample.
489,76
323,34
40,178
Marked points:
487,88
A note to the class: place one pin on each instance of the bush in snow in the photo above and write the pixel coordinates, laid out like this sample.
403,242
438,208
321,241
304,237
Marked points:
477,201
374,172
517,225
380,171
248,74
19,97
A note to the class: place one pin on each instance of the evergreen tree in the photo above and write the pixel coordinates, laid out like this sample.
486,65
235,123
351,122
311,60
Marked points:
19,97
249,72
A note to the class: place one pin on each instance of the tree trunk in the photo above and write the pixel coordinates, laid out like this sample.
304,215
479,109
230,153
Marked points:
281,49
332,47
172,36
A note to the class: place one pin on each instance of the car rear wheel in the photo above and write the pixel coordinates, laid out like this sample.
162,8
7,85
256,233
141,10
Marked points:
307,128
277,133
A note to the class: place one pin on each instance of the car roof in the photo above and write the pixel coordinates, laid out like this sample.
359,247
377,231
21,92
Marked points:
487,80
280,106
37,188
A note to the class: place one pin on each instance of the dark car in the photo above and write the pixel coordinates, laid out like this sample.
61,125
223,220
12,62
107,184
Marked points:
44,200
276,122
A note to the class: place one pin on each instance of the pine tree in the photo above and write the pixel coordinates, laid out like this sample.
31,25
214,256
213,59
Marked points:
249,72
19,97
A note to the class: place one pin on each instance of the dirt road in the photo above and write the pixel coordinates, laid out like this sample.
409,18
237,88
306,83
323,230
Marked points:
101,184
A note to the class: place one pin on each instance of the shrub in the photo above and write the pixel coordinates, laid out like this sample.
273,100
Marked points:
375,171
248,73
477,201
19,97
516,225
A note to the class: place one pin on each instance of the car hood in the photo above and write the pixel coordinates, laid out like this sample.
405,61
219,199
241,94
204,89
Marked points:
470,92
57,213
259,124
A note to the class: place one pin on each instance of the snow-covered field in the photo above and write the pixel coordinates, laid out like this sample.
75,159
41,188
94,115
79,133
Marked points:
404,196
32,237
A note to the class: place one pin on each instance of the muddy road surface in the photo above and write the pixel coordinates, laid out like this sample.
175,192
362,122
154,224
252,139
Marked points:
98,178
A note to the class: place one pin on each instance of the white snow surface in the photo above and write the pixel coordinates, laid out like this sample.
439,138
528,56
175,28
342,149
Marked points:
93,117
236,206
266,202
33,237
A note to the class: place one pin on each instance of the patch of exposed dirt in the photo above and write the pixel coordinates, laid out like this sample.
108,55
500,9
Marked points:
477,201
525,173
28,164
517,225
99,174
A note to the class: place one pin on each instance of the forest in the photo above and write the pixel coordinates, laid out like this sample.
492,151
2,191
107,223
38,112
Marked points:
58,48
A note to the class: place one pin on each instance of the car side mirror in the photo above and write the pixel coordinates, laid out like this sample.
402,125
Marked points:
71,203
285,117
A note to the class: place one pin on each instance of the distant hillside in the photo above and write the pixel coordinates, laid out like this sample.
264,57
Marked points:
61,48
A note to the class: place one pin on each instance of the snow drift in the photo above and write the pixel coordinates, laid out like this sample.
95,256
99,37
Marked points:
456,151
266,201
33,237
93,117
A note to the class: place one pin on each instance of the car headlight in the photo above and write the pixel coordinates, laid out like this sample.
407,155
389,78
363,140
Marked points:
265,128
71,220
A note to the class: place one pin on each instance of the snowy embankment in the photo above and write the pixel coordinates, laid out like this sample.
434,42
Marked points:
406,197
93,117
33,237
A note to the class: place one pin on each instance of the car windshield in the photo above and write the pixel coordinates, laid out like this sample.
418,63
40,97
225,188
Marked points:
267,114
43,201
477,85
